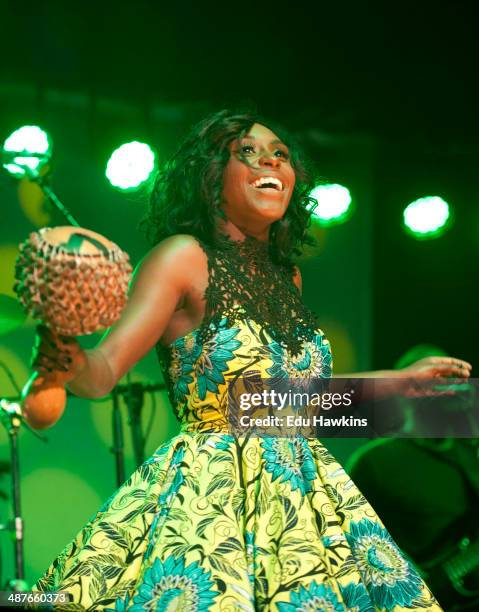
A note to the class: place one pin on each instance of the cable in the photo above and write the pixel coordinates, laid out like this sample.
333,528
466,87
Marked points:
10,376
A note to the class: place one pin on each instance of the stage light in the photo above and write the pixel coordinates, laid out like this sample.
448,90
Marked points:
26,149
334,204
130,165
427,217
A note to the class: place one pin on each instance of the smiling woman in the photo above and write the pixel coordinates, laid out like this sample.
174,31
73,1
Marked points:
258,181
216,164
218,519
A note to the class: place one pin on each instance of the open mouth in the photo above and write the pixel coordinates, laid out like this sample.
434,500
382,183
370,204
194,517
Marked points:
268,182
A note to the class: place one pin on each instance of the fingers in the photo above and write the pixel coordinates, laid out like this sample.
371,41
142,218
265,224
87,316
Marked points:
450,370
434,387
451,361
48,336
53,353
44,364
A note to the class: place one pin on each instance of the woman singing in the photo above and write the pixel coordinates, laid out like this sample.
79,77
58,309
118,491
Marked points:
215,521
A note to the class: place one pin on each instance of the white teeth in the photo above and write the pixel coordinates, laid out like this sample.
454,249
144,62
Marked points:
268,179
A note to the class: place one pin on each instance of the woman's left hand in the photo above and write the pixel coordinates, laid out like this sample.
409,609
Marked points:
433,377
438,367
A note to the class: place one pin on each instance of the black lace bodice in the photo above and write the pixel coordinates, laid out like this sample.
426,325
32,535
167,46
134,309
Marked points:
255,324
245,283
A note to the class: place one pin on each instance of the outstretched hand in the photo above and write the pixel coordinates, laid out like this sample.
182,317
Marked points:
427,376
438,367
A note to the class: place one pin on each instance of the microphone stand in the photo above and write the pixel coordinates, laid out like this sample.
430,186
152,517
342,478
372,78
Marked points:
134,396
118,447
10,416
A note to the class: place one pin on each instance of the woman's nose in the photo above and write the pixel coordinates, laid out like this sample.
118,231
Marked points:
268,160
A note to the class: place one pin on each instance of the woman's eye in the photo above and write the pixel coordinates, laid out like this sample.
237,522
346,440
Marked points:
281,153
247,149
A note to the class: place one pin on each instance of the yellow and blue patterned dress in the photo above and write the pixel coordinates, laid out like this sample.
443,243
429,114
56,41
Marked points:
216,521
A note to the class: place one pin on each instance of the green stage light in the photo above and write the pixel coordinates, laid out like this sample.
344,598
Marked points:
427,217
334,204
130,165
26,149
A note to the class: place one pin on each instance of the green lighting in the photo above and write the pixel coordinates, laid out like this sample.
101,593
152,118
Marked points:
33,146
334,204
130,165
427,217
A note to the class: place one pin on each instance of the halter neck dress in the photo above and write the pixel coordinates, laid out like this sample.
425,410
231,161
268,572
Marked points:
215,521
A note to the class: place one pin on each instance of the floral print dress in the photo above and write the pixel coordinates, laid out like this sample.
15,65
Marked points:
215,521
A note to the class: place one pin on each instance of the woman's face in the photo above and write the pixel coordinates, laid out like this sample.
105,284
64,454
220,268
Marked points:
258,179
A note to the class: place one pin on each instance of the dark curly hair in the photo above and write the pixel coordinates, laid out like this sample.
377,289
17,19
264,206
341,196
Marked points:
187,196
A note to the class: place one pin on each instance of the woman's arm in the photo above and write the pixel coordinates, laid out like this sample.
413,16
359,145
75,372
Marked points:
371,374
417,380
160,281
162,278
429,367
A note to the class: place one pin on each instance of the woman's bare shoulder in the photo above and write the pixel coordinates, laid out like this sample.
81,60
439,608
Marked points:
180,252
178,244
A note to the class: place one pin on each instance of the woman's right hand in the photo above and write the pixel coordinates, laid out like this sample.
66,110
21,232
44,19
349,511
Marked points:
56,360
55,357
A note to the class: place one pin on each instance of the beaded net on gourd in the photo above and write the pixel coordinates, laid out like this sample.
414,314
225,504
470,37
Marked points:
72,291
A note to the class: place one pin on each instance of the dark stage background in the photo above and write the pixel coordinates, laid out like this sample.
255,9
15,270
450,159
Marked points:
382,97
